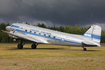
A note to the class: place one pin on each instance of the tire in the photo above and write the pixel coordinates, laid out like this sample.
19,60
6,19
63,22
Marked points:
20,46
33,46
84,49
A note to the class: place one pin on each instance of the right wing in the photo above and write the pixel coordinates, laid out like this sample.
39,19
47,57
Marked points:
25,36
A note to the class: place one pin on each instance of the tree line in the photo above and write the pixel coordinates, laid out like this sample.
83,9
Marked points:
4,38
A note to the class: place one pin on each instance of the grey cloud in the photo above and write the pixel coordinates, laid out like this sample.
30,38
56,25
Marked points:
57,12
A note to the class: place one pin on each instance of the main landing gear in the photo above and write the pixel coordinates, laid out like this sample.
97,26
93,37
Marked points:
33,46
20,45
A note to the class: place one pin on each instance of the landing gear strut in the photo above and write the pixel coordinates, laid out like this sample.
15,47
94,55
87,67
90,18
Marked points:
33,46
20,45
84,48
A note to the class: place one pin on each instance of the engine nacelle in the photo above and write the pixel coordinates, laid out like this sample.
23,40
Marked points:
14,37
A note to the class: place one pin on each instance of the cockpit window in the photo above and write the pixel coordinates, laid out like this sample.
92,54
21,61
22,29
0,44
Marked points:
11,25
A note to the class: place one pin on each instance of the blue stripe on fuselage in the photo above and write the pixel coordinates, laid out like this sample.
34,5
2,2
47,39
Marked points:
88,35
48,37
15,26
58,39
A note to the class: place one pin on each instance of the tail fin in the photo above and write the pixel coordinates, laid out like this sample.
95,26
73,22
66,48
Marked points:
94,33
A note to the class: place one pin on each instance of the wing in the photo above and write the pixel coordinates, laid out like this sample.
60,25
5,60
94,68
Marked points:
20,35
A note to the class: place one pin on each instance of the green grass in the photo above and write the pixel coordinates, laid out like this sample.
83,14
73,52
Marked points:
51,57
15,64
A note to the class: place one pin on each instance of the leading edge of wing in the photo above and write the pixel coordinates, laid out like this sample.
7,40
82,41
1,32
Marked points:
21,36
5,31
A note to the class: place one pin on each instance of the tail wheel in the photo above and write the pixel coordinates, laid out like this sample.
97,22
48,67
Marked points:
84,49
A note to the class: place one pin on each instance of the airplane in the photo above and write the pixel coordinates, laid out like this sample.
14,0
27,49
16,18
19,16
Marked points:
38,35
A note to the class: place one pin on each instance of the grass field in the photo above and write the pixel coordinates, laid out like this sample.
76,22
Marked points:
51,57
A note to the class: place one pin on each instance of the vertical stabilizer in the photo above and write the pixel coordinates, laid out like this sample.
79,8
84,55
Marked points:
93,33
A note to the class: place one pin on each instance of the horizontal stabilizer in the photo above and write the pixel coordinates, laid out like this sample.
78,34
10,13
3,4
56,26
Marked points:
90,43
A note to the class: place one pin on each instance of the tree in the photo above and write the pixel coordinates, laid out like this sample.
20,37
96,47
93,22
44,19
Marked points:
27,23
41,25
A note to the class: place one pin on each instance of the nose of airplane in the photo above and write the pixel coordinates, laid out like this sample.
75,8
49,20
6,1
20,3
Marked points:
8,29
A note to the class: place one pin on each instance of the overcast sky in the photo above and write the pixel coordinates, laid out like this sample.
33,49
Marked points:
54,12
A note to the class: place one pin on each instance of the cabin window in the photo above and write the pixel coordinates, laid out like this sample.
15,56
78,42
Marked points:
39,33
34,32
49,36
30,31
21,28
53,36
26,30
44,34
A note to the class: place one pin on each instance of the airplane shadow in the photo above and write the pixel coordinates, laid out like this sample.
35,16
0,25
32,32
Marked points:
37,49
58,49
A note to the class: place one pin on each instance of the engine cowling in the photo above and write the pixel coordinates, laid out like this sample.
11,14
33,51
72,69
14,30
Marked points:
14,37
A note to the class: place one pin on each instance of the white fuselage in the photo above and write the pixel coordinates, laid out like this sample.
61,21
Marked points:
43,35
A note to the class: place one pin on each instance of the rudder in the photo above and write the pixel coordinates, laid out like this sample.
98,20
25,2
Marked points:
93,33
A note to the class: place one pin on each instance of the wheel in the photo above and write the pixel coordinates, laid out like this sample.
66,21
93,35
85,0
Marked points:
84,49
33,46
20,46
